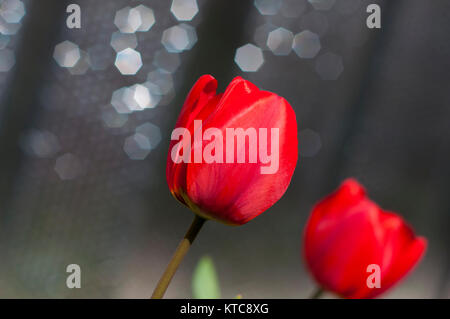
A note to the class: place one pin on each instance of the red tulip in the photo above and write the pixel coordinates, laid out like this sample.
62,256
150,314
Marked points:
219,176
347,232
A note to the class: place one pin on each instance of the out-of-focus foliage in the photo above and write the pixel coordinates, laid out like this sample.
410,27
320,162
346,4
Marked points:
205,284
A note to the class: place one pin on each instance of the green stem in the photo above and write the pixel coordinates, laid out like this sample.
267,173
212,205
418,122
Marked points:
177,257
317,293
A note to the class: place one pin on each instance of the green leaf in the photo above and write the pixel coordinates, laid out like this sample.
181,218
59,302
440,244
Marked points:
205,284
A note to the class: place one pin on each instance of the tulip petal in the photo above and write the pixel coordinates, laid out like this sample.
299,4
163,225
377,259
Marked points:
339,258
347,232
234,193
332,209
402,251
201,93
203,90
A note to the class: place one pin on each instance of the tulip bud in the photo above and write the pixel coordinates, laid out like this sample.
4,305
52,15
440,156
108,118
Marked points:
232,155
349,239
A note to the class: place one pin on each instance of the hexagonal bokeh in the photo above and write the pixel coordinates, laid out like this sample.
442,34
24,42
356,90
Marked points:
322,4
4,41
9,28
7,60
279,41
154,95
124,100
121,41
128,20
68,166
128,61
293,8
147,136
137,146
141,96
175,39
306,44
112,119
12,11
169,62
120,100
162,80
147,17
179,38
41,144
82,64
134,98
66,54
152,132
191,33
268,7
249,58
261,34
184,10
329,66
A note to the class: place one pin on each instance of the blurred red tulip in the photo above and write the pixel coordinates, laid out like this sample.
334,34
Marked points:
216,178
347,232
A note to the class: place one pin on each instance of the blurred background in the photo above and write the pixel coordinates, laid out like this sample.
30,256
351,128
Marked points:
86,116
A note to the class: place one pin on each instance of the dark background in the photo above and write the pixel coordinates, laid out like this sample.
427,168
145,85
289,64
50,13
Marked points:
384,121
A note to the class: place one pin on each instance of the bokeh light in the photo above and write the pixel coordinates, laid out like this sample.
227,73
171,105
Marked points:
162,80
249,58
128,20
4,40
83,64
119,100
147,18
184,10
66,54
121,41
112,119
179,38
268,7
150,131
128,61
293,8
135,98
137,146
12,11
261,34
141,96
42,144
279,41
306,44
7,60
